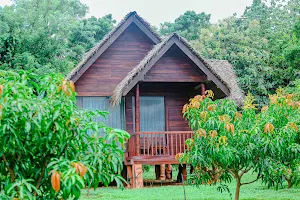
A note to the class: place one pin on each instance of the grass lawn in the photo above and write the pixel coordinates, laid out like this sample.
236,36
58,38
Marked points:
249,192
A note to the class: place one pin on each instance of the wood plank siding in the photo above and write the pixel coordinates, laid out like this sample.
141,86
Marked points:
114,64
175,94
174,67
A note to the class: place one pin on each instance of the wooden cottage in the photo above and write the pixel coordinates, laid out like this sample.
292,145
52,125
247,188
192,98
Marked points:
143,80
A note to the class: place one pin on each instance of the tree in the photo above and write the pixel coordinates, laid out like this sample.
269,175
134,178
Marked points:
87,33
258,44
280,145
292,52
227,144
50,149
46,35
245,48
188,25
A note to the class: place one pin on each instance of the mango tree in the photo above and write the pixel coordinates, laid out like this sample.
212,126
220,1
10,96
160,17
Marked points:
51,149
280,140
229,143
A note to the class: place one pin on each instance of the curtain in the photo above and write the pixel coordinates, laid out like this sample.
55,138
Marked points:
152,113
116,117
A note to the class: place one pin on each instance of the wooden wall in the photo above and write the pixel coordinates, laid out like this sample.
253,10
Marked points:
174,67
175,94
114,64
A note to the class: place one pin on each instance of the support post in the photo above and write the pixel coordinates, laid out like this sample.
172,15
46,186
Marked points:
130,177
184,172
179,175
157,172
137,118
138,176
169,172
203,89
162,172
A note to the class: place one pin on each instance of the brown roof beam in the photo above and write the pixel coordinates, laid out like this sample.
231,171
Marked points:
154,39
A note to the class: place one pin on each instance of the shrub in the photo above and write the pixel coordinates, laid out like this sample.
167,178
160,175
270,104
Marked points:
50,149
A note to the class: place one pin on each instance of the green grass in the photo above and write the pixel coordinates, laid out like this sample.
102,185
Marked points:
248,192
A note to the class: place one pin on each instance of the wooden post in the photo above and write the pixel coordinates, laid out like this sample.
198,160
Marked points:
137,118
130,176
203,89
169,172
162,172
184,172
157,172
138,176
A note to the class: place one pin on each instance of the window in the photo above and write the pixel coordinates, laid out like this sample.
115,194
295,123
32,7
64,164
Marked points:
116,117
152,113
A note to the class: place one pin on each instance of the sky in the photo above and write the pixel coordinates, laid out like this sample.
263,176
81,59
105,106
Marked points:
158,11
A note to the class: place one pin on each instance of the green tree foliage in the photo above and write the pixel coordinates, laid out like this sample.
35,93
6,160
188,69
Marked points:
262,44
227,144
88,32
50,149
280,147
47,36
187,25
245,48
292,51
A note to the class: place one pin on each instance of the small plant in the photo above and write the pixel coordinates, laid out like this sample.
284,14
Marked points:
146,168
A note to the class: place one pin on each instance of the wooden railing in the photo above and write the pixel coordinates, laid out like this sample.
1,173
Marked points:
163,143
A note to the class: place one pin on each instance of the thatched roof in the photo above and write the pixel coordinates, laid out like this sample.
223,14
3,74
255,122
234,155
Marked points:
225,71
94,50
222,69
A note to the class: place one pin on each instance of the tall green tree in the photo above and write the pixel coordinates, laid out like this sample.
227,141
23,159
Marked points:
292,51
245,48
187,25
46,35
87,33
258,44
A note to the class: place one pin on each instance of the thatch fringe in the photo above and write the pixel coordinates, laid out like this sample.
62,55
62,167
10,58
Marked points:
95,49
222,69
118,91
225,72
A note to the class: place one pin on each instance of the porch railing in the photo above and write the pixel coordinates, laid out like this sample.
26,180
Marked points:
162,143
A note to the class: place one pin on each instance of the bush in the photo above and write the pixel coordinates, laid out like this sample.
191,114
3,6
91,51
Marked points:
50,149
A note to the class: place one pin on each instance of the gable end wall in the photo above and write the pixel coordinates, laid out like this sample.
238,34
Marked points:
113,65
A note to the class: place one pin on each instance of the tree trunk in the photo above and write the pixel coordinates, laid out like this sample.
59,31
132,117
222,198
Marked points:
157,172
289,183
237,190
179,176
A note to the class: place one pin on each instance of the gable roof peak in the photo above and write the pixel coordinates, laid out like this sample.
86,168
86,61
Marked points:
89,57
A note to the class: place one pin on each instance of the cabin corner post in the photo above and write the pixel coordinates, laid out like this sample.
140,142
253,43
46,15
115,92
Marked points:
137,118
203,88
